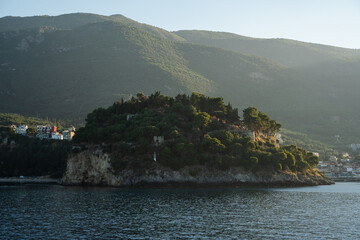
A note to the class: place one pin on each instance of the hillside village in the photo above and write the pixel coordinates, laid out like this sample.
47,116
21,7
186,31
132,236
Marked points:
46,132
344,167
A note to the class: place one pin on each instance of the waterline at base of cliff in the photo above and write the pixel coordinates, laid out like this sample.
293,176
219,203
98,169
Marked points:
94,169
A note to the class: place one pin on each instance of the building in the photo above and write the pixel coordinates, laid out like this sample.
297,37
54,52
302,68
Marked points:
68,135
21,130
333,158
158,140
316,154
355,147
50,132
129,116
57,136
45,131
279,138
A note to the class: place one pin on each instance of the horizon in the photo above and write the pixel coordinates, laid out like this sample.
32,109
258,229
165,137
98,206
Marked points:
323,22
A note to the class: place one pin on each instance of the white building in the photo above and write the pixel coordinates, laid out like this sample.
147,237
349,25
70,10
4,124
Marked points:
316,154
279,138
56,135
21,130
354,146
129,116
45,131
68,135
158,140
333,158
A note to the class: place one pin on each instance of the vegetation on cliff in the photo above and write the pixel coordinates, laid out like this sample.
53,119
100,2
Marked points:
197,130
21,155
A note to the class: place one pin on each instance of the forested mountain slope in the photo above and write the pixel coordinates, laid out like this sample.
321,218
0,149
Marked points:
65,66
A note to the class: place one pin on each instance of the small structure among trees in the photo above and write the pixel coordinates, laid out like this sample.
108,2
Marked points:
158,140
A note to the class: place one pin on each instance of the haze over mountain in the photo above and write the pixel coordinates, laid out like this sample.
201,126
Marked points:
66,66
285,51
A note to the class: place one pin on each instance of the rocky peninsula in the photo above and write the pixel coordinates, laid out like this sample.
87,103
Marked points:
159,140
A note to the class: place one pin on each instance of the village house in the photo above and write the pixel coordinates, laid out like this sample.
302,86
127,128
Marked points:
158,140
45,131
57,136
68,134
129,116
316,154
50,132
21,130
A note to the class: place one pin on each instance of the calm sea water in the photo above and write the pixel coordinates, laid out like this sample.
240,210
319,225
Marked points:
57,212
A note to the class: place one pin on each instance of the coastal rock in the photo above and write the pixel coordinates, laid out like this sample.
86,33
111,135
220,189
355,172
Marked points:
92,167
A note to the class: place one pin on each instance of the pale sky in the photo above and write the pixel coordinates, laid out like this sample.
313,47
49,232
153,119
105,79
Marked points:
331,22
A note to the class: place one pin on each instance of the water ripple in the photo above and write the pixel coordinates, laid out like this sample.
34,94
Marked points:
56,212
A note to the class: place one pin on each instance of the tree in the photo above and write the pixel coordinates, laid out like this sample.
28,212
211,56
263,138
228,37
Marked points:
31,131
290,160
225,137
201,120
312,160
264,122
141,96
232,114
251,119
251,163
214,144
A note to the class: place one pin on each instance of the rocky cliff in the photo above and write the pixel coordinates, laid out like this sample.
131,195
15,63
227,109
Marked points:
93,167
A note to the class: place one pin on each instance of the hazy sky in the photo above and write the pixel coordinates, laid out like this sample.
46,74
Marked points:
332,22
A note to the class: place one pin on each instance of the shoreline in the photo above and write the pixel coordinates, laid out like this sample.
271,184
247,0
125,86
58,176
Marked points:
29,180
169,185
175,185
345,179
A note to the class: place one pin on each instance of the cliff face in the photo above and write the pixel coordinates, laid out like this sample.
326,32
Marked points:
92,167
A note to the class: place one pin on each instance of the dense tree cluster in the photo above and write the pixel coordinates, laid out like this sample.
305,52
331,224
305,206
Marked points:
258,121
21,155
7,119
198,130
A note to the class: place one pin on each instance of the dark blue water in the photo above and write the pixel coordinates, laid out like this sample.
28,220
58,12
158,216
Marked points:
57,212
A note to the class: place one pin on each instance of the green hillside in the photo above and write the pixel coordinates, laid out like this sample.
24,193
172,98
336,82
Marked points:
287,52
65,66
317,95
7,119
75,20
99,63
88,67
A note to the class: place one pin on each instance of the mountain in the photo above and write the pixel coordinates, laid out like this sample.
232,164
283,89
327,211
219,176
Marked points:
69,72
326,78
287,52
72,21
65,66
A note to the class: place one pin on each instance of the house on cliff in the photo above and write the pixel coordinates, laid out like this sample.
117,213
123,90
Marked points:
21,130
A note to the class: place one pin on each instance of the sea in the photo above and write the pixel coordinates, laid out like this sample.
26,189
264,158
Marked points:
59,212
